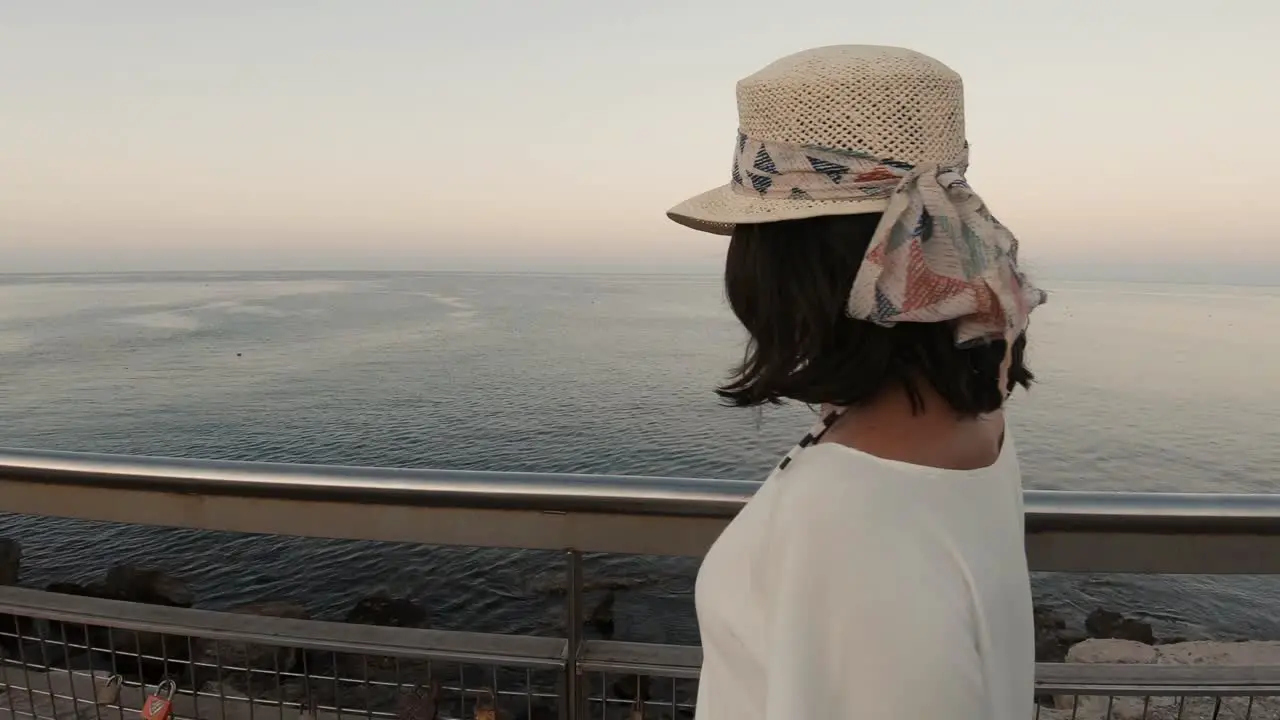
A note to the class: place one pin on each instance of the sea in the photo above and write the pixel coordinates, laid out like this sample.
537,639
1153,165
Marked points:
1141,387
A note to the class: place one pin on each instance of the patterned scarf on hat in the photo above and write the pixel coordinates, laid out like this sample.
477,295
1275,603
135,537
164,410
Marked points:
937,255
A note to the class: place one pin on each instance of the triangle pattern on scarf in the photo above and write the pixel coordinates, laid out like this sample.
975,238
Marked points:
835,171
764,163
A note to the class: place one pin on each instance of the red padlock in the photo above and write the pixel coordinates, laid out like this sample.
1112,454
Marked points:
160,704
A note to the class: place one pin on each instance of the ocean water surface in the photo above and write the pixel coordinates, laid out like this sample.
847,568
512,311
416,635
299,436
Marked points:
1142,387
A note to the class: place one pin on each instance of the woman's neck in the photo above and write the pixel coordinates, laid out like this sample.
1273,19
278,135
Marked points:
935,436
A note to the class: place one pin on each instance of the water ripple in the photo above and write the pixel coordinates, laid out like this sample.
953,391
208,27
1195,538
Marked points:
572,374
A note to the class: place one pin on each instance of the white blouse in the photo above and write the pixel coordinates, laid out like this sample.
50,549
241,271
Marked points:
856,587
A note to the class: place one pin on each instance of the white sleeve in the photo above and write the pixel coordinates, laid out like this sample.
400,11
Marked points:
868,615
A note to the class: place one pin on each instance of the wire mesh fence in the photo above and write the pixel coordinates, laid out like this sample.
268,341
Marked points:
1143,691
65,657
282,668
615,696
1179,707
64,670
73,658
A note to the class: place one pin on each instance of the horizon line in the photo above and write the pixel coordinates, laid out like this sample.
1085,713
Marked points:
1114,275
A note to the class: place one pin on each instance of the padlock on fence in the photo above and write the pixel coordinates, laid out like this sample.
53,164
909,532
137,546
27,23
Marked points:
107,692
486,707
420,703
159,705
637,709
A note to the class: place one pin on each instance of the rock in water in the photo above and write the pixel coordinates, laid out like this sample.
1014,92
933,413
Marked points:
1053,639
253,656
381,609
147,656
12,627
147,585
246,658
633,688
10,561
74,633
1109,625
601,617
275,608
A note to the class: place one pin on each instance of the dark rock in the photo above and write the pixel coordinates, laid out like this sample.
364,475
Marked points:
540,709
601,617
1100,622
70,588
10,561
635,687
77,635
1053,639
1048,619
97,663
275,608
384,610
1108,625
251,656
16,633
1049,650
554,585
149,657
147,585
1072,637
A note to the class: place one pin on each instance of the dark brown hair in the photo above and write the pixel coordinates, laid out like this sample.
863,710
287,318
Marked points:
788,282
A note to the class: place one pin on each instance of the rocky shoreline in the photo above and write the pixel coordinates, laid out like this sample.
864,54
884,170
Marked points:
1055,637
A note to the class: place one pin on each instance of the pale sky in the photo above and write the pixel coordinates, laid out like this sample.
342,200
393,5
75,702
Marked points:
280,134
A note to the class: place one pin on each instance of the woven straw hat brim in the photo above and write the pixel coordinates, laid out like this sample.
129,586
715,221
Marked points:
718,211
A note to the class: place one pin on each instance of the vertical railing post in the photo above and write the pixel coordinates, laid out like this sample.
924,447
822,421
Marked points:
575,690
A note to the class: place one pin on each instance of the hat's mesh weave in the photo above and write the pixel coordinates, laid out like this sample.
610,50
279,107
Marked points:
893,103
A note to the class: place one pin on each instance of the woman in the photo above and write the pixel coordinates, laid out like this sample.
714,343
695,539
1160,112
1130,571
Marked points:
879,573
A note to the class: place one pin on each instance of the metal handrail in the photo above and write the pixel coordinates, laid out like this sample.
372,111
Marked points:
614,494
1047,510
1067,530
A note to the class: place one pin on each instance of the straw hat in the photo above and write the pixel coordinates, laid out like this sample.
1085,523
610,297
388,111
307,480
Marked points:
832,131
